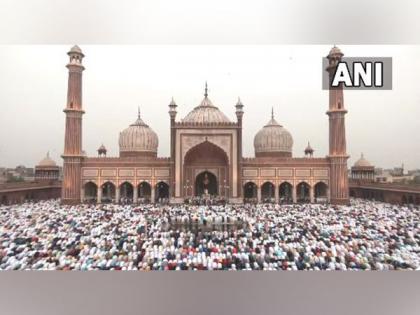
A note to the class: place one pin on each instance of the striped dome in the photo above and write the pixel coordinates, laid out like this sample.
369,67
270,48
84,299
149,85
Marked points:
138,138
273,138
206,112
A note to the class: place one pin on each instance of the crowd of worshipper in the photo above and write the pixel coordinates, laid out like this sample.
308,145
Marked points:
127,200
208,200
365,235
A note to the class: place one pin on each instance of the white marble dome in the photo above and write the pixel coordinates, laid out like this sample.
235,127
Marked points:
138,138
47,161
362,162
206,112
273,139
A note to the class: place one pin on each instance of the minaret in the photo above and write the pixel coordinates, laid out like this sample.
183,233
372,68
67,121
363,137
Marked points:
172,115
73,154
339,189
239,114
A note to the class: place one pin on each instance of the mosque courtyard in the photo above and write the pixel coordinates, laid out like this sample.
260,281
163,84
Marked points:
366,235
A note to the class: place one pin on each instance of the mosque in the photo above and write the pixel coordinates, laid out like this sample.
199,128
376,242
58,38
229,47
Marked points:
205,156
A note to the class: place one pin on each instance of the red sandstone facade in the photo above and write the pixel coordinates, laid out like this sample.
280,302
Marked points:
15,193
387,192
205,157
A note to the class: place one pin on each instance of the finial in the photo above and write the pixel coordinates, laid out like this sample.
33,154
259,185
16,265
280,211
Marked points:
138,114
172,103
48,154
205,91
362,156
239,103
272,112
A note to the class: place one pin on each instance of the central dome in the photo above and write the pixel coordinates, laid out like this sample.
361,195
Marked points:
138,140
206,112
273,140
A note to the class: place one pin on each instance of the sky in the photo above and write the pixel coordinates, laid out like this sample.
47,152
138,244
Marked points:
384,125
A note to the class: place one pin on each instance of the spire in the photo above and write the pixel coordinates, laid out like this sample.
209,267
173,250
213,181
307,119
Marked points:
172,109
362,156
172,103
239,111
206,101
239,101
48,154
272,121
139,121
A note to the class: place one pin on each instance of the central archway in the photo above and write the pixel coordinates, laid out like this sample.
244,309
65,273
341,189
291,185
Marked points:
206,184
206,171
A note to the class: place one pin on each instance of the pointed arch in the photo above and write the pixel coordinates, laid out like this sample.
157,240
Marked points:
250,192
162,192
303,192
126,192
321,192
267,191
144,192
203,144
286,192
90,191
108,192
206,152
